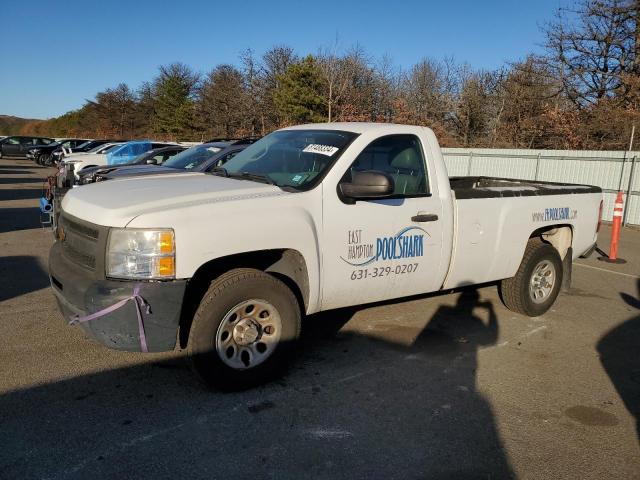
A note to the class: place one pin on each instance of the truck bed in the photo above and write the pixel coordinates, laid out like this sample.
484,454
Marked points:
492,187
494,218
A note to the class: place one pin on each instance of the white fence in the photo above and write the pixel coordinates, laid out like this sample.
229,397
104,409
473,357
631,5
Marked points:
610,170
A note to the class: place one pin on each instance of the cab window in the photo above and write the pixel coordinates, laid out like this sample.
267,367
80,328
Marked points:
399,156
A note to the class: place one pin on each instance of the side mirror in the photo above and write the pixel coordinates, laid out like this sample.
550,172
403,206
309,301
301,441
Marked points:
368,184
152,161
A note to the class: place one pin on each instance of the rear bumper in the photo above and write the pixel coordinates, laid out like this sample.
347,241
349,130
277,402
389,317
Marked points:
78,292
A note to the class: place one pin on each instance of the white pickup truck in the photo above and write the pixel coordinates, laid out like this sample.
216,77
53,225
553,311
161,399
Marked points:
309,218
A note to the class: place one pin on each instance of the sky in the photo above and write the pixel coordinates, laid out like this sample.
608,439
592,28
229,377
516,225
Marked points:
56,54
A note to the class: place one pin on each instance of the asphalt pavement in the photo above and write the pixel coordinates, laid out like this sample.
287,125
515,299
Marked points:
442,386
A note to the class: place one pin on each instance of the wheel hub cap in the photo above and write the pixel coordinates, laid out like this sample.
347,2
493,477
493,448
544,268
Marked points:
246,332
542,281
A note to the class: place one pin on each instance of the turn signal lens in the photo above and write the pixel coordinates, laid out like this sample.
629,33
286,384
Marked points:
167,266
166,242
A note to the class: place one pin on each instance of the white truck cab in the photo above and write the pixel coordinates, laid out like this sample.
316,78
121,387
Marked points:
309,218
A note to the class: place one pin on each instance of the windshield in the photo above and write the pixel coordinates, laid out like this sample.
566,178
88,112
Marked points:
106,148
96,148
291,158
83,144
192,157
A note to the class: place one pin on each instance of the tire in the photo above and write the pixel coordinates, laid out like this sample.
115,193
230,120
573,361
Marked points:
233,344
42,159
536,284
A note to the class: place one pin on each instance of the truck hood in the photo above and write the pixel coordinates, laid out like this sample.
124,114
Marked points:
115,204
117,171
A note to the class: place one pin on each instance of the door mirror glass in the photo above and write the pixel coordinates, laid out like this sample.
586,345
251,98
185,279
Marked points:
368,184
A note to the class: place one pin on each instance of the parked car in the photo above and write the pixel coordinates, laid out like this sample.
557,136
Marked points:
19,145
58,154
309,218
117,156
201,158
156,157
42,153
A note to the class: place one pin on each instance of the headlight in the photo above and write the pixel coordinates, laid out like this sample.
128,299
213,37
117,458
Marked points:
141,253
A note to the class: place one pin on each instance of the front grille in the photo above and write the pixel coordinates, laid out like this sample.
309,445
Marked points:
86,230
76,256
79,241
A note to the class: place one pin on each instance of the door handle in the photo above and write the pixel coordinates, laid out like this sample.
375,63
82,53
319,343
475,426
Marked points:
425,217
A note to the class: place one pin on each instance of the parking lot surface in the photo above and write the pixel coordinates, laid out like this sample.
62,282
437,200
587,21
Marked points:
440,386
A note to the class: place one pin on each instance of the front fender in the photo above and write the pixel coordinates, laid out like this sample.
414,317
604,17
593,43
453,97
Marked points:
208,232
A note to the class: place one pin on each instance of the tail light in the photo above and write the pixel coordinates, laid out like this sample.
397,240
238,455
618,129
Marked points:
599,217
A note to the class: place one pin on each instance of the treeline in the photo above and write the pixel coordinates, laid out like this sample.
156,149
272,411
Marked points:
584,92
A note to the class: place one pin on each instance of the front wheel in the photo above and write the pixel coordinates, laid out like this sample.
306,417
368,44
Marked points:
244,330
43,159
536,284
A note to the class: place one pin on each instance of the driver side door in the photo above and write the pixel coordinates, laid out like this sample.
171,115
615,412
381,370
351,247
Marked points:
378,249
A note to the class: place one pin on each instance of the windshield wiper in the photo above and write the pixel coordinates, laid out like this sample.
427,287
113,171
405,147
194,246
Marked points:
256,177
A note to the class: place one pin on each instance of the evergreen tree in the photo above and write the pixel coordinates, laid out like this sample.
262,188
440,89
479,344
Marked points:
174,104
298,96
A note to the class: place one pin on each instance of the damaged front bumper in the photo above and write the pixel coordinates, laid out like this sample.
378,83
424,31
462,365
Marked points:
80,292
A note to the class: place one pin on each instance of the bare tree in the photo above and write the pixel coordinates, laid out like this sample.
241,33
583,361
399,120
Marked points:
275,63
222,101
115,108
471,111
592,45
428,90
334,75
386,78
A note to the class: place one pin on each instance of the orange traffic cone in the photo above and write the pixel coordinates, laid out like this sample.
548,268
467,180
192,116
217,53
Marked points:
618,208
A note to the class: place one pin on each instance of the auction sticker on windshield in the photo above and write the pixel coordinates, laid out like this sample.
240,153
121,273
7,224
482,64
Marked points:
327,150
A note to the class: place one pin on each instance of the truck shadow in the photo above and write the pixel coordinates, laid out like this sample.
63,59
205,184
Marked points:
382,403
20,193
619,351
13,219
32,277
11,171
11,180
19,168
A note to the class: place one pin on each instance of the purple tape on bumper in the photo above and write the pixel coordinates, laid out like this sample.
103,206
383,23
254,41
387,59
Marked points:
139,301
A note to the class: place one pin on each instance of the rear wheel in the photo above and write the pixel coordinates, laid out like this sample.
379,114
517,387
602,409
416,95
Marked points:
536,284
244,330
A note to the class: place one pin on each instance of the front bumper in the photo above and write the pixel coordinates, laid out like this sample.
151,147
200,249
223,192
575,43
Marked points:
79,292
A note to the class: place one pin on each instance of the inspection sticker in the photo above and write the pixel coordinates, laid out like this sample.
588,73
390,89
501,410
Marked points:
327,150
